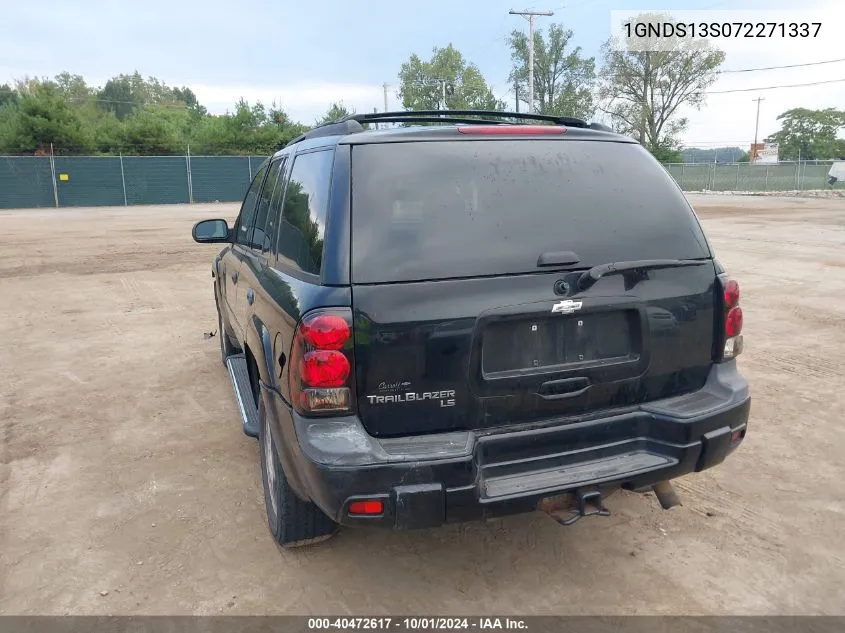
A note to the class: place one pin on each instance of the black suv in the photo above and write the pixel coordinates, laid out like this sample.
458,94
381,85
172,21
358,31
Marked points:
472,317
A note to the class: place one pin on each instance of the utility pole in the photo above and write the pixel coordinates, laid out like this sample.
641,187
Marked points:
516,92
756,129
384,85
531,15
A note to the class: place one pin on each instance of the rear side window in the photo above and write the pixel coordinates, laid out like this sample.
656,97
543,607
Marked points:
259,233
303,222
435,210
247,214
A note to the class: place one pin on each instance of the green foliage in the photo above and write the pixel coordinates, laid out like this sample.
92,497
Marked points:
249,130
643,90
43,116
154,132
667,152
423,83
810,134
125,94
336,112
563,80
132,115
7,95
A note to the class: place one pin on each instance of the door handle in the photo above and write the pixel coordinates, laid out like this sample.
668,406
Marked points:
564,396
235,277
250,296
562,389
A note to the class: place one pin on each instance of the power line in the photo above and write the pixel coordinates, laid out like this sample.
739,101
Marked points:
812,83
750,70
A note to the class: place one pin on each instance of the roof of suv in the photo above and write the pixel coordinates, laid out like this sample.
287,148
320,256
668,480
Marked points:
444,131
451,124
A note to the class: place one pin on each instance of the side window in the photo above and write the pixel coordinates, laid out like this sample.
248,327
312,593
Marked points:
260,230
247,214
275,212
303,220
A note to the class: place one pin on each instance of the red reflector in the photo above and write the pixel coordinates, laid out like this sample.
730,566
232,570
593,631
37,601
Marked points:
737,436
731,294
511,129
326,331
324,368
367,507
733,322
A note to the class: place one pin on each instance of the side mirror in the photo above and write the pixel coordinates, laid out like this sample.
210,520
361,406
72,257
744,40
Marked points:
211,232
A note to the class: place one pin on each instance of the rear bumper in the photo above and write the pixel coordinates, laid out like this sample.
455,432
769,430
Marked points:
425,481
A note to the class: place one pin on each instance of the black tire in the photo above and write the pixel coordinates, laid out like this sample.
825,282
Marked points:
292,521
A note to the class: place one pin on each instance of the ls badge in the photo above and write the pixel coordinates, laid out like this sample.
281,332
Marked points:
567,306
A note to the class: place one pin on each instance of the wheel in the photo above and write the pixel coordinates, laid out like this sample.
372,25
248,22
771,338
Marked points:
292,521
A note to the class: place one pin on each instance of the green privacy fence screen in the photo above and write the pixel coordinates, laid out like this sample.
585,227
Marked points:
74,181
82,181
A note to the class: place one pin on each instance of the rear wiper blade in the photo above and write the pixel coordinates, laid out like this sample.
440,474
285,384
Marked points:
589,277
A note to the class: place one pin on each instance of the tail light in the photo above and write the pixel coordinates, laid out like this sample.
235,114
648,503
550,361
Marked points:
320,369
732,319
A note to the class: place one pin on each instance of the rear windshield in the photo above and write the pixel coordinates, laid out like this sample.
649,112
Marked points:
436,210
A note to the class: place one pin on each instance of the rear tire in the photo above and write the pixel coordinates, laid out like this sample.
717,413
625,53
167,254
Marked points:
292,521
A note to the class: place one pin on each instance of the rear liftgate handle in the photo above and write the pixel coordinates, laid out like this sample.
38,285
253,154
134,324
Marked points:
562,389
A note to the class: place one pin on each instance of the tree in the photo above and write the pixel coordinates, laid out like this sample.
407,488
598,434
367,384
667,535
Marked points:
125,94
133,115
667,151
118,97
423,83
155,131
643,90
43,116
809,134
7,95
335,113
73,88
250,129
563,81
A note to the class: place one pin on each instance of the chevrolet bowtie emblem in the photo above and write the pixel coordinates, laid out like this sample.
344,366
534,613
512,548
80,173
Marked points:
566,307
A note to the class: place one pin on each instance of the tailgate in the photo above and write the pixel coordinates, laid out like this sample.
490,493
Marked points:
492,352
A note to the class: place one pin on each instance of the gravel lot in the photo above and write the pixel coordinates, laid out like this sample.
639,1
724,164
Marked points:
123,468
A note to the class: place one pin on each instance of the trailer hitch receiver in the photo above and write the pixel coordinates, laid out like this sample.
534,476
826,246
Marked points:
582,503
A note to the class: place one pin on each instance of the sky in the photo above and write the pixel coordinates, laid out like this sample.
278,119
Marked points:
305,55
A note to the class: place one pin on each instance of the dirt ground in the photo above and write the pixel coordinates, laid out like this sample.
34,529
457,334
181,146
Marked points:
123,468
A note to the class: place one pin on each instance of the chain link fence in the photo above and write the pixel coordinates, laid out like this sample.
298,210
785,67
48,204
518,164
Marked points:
73,181
784,176
82,181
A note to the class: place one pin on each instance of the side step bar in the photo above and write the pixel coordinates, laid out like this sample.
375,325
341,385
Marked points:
239,374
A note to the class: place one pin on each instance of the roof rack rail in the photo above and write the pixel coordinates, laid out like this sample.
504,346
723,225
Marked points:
413,118
353,123
489,116
335,128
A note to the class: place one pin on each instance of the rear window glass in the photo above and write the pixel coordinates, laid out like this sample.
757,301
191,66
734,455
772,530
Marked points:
435,210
